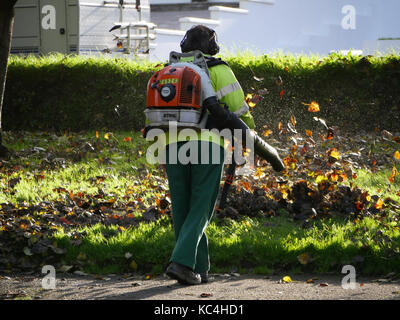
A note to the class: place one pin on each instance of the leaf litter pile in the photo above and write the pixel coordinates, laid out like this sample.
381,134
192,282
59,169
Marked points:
318,182
319,177
26,228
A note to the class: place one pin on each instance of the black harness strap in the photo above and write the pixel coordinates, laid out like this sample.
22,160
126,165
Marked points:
211,62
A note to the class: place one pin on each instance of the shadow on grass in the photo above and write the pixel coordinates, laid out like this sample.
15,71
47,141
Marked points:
257,247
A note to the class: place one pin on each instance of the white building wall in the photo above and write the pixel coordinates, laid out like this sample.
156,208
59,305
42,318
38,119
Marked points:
308,26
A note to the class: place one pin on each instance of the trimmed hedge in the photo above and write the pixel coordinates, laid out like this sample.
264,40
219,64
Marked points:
74,92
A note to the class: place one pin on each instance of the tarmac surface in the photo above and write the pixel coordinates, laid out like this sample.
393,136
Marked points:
221,287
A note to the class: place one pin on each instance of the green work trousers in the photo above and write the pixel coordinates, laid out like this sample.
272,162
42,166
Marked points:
194,188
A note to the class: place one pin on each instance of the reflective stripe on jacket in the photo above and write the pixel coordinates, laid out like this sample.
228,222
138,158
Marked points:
230,93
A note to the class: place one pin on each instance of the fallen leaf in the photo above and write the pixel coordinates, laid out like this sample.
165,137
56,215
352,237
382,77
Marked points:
206,295
397,155
304,258
393,175
312,107
323,284
81,256
379,204
286,279
128,255
267,132
27,251
330,134
334,153
293,121
133,265
65,268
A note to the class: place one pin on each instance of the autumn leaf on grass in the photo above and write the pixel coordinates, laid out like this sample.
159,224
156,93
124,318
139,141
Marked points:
246,185
293,120
397,155
312,107
330,134
393,175
259,173
127,139
304,258
308,133
252,100
304,148
359,206
334,153
281,93
267,132
379,204
279,81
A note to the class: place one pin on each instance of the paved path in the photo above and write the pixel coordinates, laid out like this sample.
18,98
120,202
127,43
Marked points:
222,287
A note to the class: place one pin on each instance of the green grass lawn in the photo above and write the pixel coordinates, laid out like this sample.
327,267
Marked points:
108,173
263,246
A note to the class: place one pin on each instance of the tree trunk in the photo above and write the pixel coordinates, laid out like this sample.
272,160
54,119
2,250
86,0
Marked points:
6,25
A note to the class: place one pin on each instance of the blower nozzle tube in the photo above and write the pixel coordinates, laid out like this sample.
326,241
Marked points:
224,119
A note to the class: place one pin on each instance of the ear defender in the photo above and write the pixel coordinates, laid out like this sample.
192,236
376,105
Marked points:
213,47
200,38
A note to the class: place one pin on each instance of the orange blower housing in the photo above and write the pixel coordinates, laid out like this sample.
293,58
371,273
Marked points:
174,87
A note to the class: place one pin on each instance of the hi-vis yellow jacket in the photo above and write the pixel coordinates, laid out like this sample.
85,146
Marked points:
229,93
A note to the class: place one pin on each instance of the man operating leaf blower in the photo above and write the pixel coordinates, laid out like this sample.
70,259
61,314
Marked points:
198,92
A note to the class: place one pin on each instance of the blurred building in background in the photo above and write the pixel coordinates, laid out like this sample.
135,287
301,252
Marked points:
153,28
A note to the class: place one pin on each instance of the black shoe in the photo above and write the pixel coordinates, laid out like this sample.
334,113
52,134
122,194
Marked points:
183,274
204,277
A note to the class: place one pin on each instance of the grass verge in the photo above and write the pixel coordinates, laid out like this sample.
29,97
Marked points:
89,202
263,246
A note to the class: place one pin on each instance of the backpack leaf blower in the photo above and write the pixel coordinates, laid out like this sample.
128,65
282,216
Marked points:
182,92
